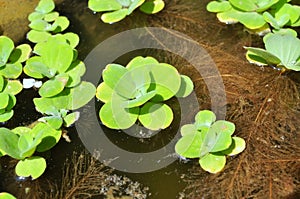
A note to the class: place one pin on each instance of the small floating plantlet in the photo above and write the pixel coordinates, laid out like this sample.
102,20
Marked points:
210,141
11,59
257,15
22,142
116,10
138,92
44,22
282,51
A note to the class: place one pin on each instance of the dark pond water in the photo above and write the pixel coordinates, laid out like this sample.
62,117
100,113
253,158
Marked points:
167,182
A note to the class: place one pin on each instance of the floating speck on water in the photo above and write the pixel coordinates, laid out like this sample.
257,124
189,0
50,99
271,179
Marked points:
21,178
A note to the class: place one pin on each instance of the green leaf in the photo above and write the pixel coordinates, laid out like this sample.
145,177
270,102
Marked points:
57,55
188,129
12,102
9,143
124,3
237,146
253,5
80,95
2,82
35,16
45,6
140,100
11,70
34,166
6,116
251,20
134,5
271,20
13,87
189,145
6,47
72,38
37,69
165,80
21,130
54,86
71,118
21,53
186,86
52,16
286,31
26,145
4,100
112,74
156,116
115,116
60,24
140,61
5,195
275,43
290,10
45,136
115,16
218,6
75,71
134,83
54,121
46,106
40,25
36,36
262,55
213,163
218,137
152,6
104,92
204,118
104,5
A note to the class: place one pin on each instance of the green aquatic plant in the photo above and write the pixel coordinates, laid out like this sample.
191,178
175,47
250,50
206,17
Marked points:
22,142
44,22
137,92
116,10
282,51
11,59
64,91
4,195
210,141
257,15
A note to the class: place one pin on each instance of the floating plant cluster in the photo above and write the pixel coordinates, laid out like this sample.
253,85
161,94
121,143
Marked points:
210,141
258,15
135,93
55,63
274,55
274,17
138,92
116,10
11,59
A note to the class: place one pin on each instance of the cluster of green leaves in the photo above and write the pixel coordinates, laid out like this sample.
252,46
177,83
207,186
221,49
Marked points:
55,62
45,21
4,195
137,92
56,59
116,10
282,51
210,141
11,59
22,142
258,15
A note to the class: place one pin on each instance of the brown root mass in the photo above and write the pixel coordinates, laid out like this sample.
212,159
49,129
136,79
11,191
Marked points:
263,104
